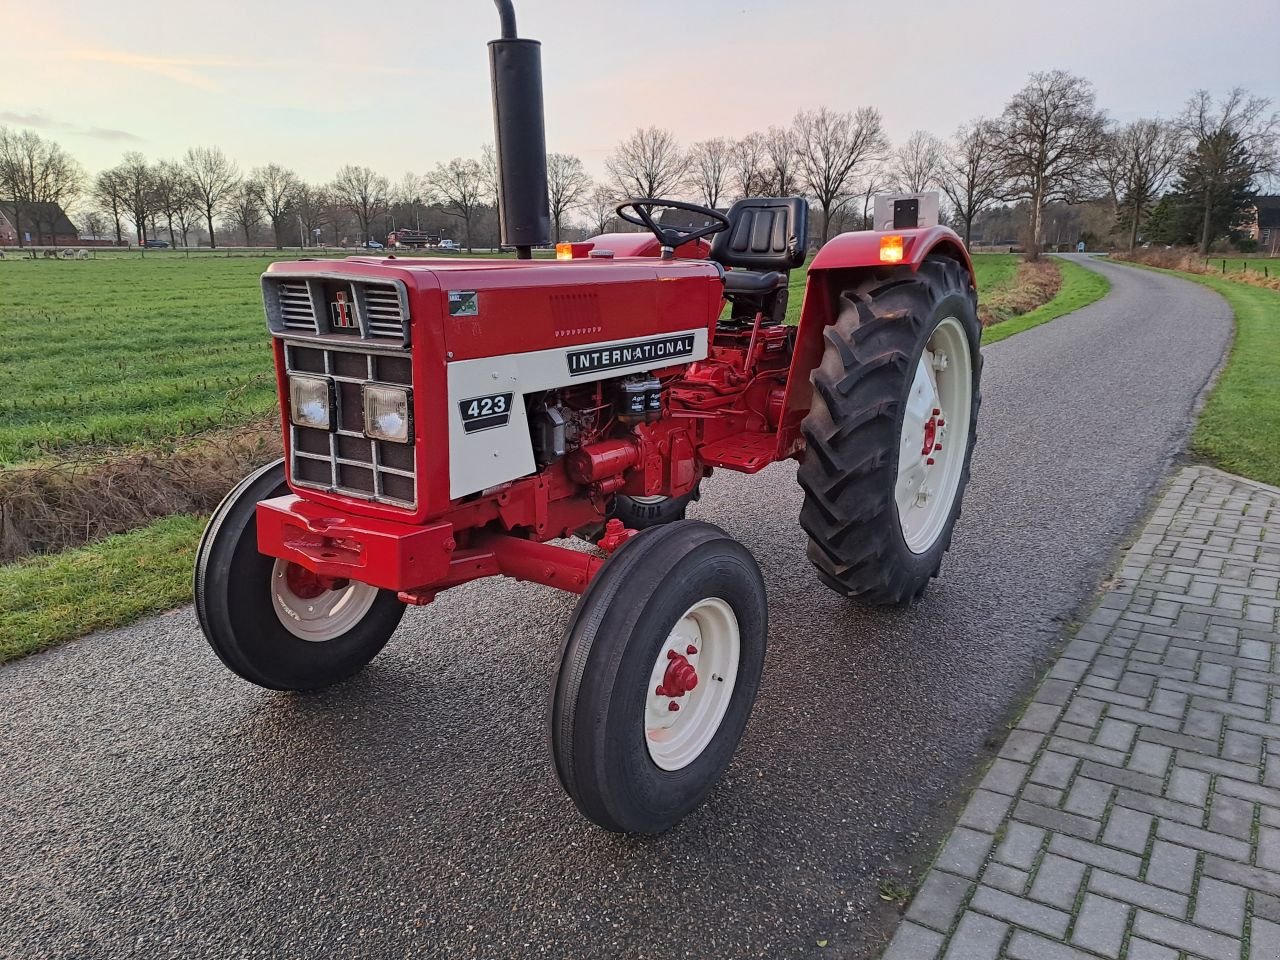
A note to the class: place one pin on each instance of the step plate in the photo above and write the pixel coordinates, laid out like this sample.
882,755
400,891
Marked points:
744,452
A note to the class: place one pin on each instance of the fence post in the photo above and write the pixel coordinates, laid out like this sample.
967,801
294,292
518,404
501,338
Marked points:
1224,266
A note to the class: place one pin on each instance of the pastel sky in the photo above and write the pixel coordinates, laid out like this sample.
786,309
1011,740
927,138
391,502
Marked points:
402,84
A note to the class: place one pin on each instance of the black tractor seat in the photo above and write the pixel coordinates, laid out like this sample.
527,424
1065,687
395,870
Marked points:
752,281
766,239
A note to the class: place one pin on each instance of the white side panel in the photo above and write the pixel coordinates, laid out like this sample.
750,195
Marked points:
492,456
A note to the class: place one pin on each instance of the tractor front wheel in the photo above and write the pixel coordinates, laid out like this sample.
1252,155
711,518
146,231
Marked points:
640,513
273,622
658,673
890,432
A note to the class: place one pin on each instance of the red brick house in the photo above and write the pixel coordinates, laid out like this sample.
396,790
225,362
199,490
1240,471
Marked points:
36,224
1266,224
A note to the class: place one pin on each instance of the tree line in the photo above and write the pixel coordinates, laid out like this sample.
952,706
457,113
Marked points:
1187,179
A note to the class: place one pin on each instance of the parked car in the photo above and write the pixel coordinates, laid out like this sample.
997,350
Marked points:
449,246
156,244
372,245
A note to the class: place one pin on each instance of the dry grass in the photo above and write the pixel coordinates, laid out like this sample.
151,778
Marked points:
1035,284
53,506
1190,261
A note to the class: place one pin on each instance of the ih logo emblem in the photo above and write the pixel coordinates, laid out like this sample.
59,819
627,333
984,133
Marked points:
342,312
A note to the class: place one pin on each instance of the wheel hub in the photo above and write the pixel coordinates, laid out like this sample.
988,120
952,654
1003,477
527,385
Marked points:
681,675
938,403
307,585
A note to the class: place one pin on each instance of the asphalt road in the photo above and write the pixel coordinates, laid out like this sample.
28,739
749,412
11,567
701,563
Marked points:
152,805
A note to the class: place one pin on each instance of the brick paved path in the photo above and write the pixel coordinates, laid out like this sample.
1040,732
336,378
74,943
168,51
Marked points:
1134,811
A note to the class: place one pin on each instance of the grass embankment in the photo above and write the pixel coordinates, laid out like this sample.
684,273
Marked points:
108,389
1079,288
47,599
1237,429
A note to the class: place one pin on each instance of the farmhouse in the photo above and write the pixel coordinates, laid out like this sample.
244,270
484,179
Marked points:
1266,224
39,223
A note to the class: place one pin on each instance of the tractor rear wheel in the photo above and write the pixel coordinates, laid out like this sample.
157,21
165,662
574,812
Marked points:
658,673
890,432
273,622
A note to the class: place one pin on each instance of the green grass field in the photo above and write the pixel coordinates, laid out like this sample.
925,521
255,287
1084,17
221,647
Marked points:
1235,265
121,351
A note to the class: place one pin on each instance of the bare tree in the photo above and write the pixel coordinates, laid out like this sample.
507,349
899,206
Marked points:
364,192
876,180
972,174
33,172
649,163
1231,142
410,196
461,186
567,186
136,177
312,205
749,160
784,164
170,191
709,169
601,207
109,193
94,223
214,177
1144,154
244,208
489,169
1049,133
832,148
277,189
918,162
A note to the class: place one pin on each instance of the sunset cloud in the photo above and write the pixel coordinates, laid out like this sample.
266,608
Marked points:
39,121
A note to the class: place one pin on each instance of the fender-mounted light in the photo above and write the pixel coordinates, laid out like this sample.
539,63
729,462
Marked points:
310,401
386,413
891,249
573,251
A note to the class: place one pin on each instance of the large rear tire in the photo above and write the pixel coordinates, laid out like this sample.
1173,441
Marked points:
899,376
659,669
272,622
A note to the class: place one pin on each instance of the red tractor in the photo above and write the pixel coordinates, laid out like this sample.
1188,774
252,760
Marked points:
450,420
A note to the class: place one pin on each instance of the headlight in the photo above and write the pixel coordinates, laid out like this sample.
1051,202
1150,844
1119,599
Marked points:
386,413
310,401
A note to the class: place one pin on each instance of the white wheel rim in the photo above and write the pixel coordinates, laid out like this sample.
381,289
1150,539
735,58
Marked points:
657,499
677,737
321,618
935,435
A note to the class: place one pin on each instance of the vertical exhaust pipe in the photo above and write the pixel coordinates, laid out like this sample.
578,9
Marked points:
520,139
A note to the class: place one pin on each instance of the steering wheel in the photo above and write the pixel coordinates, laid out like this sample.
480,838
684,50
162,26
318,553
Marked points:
670,236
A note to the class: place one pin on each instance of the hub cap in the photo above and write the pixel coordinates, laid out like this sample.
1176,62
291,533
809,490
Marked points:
314,607
935,435
692,683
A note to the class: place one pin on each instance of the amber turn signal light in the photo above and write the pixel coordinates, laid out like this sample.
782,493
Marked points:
891,249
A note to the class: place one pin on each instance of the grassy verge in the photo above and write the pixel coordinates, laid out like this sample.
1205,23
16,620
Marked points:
1237,429
48,599
1080,287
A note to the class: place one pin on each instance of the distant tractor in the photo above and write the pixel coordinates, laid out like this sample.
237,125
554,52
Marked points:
447,420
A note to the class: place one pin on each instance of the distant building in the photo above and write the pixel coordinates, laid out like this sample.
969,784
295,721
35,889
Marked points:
1266,224
40,224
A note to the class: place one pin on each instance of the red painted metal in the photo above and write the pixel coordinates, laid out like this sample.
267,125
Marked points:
739,408
616,533
680,678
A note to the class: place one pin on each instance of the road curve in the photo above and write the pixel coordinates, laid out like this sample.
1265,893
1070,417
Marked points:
151,805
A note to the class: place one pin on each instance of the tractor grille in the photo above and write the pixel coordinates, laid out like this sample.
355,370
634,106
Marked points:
337,307
344,460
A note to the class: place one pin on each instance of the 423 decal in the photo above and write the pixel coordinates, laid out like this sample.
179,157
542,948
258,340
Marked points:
485,413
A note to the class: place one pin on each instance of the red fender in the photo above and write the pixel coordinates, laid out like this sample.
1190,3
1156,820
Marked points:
831,271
